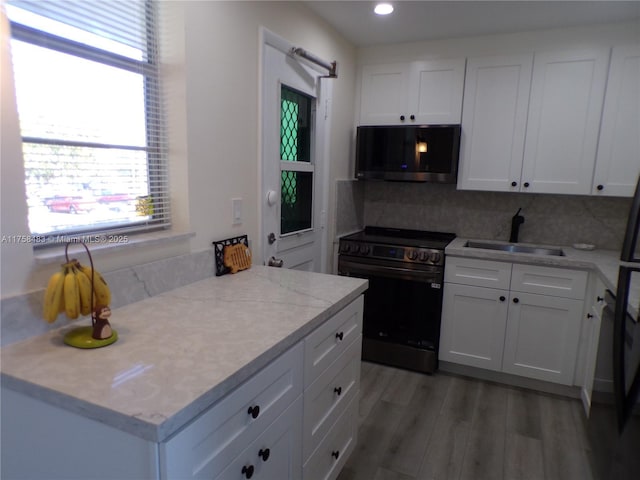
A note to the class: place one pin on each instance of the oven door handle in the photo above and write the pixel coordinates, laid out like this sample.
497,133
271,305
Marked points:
350,268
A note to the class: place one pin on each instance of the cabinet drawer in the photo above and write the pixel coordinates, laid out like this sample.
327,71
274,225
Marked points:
329,395
273,455
327,342
480,273
557,282
333,452
206,446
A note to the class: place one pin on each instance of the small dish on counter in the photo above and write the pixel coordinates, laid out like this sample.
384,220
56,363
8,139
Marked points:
584,246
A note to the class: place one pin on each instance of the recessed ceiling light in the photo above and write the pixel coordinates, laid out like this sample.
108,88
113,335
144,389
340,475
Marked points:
383,8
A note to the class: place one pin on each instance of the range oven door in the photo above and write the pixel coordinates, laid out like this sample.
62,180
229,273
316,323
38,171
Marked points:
402,304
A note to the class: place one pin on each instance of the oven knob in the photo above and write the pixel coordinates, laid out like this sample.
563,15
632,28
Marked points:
435,257
424,256
345,247
364,250
355,248
412,255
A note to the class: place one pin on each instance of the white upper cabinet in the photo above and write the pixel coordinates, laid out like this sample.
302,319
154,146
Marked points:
494,119
420,92
530,122
565,107
384,93
618,160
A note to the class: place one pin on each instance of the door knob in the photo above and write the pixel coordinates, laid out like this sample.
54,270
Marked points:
272,197
271,238
275,262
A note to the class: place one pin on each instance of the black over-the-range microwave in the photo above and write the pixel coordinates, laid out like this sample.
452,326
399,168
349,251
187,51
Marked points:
426,153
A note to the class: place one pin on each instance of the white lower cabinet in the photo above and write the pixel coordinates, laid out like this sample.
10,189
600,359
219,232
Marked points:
332,383
268,427
593,332
473,325
542,337
335,448
273,455
204,448
531,329
259,430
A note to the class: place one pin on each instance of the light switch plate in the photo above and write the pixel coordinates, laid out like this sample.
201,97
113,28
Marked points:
236,207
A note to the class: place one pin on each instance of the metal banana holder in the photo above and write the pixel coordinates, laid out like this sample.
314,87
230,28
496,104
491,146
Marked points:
81,337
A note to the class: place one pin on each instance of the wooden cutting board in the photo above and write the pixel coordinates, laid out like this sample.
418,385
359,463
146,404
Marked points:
237,257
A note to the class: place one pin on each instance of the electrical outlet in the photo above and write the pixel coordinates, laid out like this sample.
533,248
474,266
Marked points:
236,208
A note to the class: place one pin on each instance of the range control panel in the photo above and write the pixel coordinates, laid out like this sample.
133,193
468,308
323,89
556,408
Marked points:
427,256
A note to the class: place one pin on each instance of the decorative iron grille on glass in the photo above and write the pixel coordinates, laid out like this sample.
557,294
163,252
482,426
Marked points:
296,182
91,117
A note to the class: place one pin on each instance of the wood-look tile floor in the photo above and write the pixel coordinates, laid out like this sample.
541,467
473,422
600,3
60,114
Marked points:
425,427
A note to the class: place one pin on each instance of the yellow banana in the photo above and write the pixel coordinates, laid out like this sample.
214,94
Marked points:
71,294
84,289
100,287
53,296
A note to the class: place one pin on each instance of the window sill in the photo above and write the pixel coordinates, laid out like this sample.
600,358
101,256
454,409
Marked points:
102,245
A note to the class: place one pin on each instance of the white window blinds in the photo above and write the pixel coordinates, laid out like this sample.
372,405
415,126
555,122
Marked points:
91,116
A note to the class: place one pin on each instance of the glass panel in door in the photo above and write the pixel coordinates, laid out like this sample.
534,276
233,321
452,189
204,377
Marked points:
296,179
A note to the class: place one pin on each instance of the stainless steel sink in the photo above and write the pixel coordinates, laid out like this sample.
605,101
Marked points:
515,248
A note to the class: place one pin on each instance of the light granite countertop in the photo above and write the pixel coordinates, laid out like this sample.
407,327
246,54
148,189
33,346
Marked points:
178,352
604,262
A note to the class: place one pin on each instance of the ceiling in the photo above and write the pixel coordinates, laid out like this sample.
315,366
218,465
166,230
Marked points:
431,19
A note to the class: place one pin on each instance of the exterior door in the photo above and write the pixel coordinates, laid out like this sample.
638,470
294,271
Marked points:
294,126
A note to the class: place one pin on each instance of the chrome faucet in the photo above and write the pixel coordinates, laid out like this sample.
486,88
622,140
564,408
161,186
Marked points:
516,221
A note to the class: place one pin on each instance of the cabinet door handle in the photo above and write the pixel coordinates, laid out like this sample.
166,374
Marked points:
516,300
338,390
254,411
412,117
247,471
264,454
502,298
600,187
599,299
589,315
340,335
526,184
335,454
514,184
402,117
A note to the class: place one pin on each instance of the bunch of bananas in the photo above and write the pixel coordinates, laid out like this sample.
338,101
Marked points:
69,291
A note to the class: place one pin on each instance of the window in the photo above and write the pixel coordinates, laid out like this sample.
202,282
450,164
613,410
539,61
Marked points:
91,117
296,177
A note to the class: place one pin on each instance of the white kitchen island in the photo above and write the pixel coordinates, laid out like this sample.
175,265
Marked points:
196,355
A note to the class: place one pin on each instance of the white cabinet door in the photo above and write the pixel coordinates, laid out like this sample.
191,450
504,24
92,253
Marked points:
383,94
276,454
421,92
618,160
542,337
435,92
592,333
336,447
494,119
207,445
473,325
567,91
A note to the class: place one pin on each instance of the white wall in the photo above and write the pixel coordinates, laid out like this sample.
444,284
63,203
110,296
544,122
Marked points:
211,52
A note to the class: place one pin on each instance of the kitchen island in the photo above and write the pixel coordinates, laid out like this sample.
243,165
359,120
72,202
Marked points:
178,354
